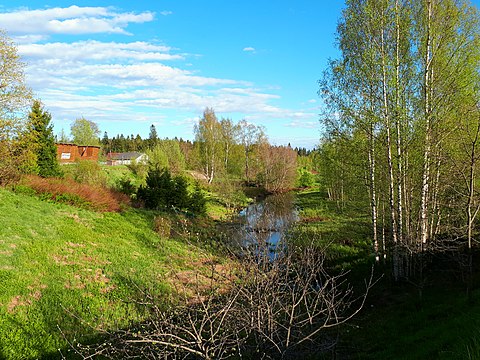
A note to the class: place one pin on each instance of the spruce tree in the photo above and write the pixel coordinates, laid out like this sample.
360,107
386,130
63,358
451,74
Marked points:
43,141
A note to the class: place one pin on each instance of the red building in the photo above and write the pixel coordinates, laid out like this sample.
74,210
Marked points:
69,153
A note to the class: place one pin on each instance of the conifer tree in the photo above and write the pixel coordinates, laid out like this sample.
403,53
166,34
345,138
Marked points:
43,141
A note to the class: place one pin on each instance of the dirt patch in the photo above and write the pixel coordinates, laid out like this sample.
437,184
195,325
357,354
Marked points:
63,260
15,302
28,300
207,275
91,277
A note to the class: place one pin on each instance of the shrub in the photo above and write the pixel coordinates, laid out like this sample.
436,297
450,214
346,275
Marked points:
83,195
306,179
138,169
164,192
198,201
126,186
89,172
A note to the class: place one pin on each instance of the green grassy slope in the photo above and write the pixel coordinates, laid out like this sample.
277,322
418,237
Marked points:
63,269
396,322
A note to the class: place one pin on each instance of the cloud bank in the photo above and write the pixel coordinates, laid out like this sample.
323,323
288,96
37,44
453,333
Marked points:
121,80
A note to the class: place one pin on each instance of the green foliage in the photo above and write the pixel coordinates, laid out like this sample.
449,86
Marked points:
89,172
126,186
197,201
42,140
166,154
305,179
14,160
157,158
164,192
138,169
85,132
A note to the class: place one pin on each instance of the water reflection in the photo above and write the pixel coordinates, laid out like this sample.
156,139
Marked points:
264,225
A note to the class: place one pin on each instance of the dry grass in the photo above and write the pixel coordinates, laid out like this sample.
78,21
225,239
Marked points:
67,190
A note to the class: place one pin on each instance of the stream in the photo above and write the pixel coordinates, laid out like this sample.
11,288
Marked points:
264,224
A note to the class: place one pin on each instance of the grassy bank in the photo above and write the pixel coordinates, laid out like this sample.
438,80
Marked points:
344,233
398,320
73,271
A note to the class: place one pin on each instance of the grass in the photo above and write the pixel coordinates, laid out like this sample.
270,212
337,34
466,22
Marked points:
396,322
344,233
444,324
77,272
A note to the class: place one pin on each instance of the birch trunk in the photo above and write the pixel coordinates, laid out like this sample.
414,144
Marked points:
427,118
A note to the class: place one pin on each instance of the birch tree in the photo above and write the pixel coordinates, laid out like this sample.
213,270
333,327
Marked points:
207,136
405,71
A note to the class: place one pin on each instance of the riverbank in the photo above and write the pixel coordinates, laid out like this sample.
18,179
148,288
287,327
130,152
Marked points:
433,319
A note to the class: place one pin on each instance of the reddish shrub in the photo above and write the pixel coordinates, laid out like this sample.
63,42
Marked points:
95,197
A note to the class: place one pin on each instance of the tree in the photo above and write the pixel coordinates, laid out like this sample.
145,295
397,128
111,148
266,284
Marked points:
278,167
42,141
164,192
175,157
405,72
85,132
251,136
15,97
63,137
153,136
207,136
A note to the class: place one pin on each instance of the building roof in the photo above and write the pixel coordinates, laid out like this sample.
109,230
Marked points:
72,144
124,156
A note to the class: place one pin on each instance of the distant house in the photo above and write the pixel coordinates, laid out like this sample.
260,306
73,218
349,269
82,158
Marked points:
69,153
126,158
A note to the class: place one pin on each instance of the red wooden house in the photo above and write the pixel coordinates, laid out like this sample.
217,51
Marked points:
69,153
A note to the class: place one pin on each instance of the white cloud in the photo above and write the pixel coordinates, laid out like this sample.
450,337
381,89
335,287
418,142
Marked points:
98,51
108,81
305,124
71,20
166,13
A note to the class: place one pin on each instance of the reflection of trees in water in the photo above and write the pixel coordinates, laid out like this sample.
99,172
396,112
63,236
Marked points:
274,213
265,222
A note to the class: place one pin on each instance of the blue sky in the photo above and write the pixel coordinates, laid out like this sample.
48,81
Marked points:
129,64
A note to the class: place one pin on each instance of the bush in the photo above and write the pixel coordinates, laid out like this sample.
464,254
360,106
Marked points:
306,179
164,192
198,201
89,172
138,169
126,186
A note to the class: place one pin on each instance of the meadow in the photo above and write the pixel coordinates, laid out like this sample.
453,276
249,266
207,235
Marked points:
67,273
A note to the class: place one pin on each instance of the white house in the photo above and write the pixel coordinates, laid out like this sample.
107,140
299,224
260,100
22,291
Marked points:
126,158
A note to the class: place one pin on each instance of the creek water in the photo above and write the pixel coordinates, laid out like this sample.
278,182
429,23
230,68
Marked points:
264,225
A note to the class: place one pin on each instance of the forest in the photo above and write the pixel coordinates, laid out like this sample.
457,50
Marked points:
378,258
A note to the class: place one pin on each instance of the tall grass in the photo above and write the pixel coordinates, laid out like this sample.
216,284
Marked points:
96,197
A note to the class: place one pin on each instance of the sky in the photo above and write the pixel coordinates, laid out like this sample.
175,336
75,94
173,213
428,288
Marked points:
128,64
